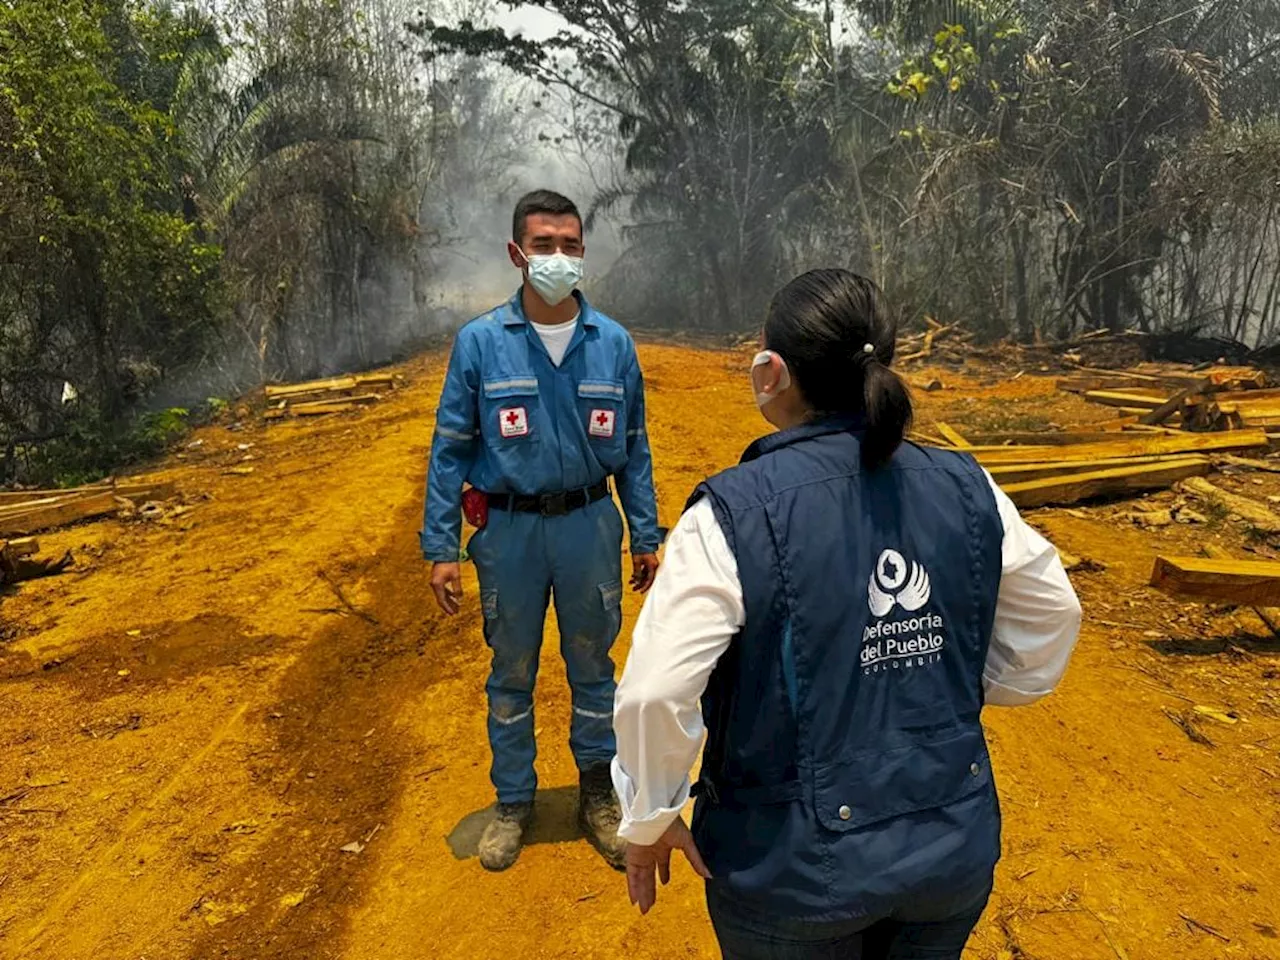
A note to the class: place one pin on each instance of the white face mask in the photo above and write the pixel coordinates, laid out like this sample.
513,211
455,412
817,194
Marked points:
554,275
763,358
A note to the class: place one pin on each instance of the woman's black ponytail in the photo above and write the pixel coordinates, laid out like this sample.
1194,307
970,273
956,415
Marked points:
888,413
838,337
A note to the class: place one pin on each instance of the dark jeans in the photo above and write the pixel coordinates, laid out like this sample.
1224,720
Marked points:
936,930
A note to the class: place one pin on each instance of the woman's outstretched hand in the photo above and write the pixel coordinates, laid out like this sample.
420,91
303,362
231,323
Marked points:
643,862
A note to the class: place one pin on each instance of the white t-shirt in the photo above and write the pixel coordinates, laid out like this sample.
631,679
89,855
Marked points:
556,337
696,607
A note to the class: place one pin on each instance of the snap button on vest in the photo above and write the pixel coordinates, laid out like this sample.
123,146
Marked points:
975,769
845,813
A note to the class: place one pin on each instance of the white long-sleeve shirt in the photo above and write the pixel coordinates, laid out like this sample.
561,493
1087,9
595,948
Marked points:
696,608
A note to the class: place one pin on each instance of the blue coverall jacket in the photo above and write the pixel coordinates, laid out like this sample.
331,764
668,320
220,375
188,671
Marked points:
512,422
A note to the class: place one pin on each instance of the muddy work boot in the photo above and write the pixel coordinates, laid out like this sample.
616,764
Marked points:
599,816
504,836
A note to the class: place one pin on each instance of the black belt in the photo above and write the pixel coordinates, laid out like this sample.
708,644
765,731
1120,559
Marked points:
550,504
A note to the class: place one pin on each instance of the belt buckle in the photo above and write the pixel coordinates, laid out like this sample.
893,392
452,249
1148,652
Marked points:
555,504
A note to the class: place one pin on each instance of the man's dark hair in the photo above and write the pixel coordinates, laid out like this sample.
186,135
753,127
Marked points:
540,201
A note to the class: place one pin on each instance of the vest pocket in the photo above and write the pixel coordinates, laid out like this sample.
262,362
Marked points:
935,770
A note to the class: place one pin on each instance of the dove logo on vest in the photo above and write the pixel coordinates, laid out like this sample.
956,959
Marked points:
908,641
890,575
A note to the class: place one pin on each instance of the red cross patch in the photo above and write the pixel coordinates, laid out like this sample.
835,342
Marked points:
514,422
602,423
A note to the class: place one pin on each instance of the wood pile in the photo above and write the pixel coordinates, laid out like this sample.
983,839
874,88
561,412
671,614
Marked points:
940,343
951,344
1202,399
316,398
30,511
1062,469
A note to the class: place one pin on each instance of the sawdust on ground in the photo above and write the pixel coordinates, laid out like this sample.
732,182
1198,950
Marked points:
196,723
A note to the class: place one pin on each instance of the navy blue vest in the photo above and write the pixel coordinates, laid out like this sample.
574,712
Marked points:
846,773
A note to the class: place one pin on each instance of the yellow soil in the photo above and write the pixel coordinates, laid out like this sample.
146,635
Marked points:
194,724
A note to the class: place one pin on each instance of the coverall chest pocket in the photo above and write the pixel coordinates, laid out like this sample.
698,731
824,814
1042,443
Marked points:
510,411
601,404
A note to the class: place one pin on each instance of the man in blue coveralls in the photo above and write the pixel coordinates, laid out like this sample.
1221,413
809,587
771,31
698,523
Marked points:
543,402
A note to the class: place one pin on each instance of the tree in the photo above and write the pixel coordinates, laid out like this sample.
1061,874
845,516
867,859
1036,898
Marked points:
1048,129
192,205
103,282
724,147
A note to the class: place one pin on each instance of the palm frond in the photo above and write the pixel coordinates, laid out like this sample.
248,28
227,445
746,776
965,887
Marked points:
603,204
949,163
1202,74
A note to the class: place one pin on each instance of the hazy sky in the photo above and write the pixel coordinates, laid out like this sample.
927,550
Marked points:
534,22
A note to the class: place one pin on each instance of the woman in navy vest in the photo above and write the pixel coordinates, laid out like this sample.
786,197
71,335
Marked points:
843,604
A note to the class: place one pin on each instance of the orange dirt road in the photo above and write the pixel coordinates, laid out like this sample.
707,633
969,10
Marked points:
197,721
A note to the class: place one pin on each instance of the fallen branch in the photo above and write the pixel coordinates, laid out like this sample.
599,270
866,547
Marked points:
1184,724
1193,922
1118,950
347,604
18,570
13,550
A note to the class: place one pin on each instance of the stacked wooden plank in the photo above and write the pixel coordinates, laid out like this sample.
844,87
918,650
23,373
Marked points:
1072,468
320,397
1234,410
29,511
1210,398
1163,377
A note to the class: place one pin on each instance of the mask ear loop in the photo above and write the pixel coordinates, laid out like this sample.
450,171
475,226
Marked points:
764,357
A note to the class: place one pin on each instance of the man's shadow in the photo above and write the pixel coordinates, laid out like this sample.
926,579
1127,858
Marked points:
555,820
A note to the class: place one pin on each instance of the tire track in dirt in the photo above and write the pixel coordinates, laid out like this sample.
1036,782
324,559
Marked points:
59,908
174,836
337,762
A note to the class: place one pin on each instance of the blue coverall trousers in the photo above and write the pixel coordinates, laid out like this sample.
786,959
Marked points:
524,560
